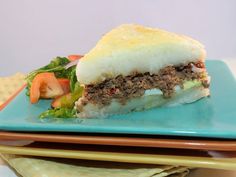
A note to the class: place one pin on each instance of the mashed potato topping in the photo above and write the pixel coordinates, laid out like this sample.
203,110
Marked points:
133,48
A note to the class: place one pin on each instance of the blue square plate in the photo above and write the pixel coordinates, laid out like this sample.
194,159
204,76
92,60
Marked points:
209,117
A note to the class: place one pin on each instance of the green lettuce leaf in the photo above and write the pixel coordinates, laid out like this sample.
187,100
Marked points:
59,113
68,100
67,110
73,79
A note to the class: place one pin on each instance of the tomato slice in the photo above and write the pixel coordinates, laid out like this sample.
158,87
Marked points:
45,85
74,57
65,84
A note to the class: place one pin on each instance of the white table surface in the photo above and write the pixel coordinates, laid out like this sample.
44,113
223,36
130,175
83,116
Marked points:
5,171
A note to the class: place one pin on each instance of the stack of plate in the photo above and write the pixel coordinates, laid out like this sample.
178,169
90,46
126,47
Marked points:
201,134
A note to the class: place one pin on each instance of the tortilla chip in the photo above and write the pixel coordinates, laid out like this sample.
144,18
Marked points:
174,172
9,85
38,167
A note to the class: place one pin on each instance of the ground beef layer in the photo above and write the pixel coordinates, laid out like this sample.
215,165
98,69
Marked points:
124,88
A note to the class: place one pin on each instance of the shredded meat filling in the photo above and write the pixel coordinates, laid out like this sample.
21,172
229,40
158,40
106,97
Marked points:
124,88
